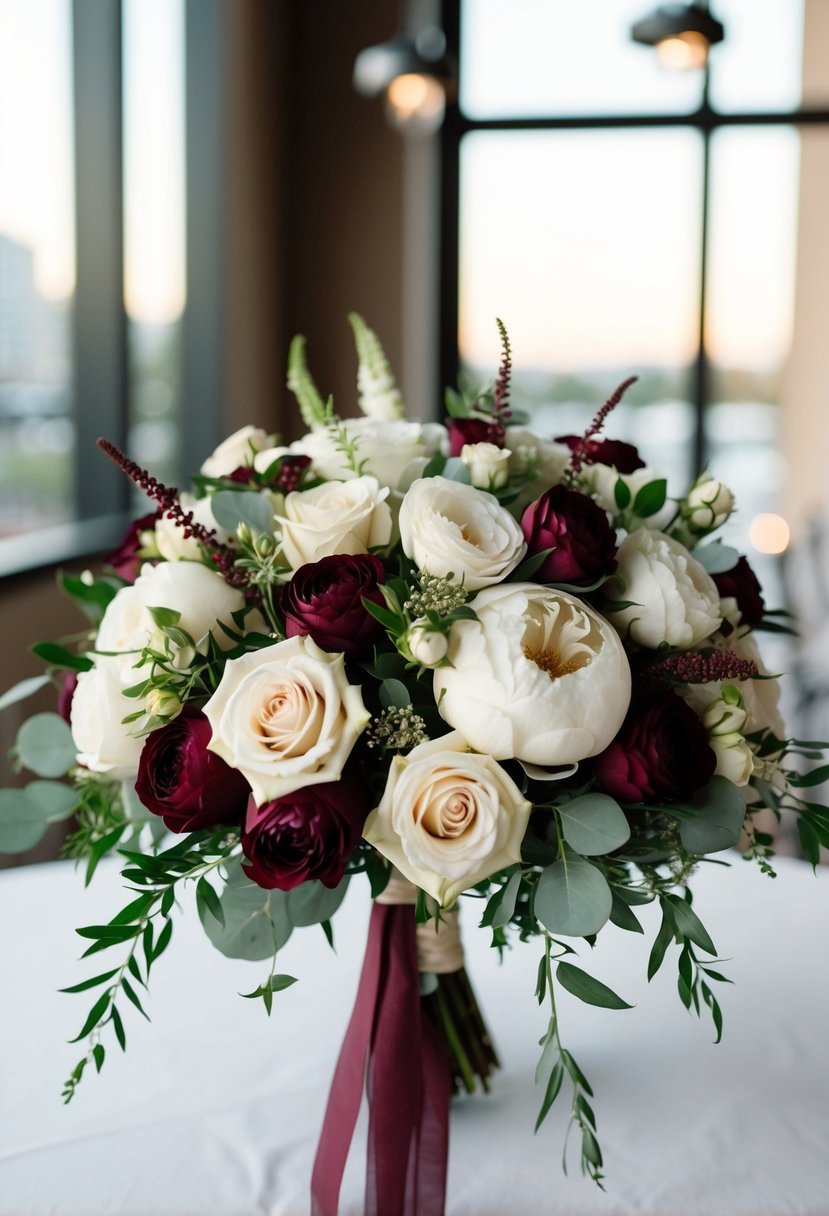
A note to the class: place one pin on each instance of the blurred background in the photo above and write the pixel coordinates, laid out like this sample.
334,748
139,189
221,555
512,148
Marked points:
185,184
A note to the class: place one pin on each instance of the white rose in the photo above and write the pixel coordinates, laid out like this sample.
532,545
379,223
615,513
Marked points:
600,480
539,676
236,452
707,505
104,743
170,540
735,759
528,452
448,817
447,527
426,645
336,517
285,717
265,457
487,463
199,595
674,599
384,449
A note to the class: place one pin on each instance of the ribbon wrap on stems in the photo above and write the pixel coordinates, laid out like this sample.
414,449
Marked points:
397,1055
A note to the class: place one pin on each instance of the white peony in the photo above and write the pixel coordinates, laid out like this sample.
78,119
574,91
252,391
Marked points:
335,517
103,742
674,599
487,463
286,717
236,452
170,540
386,449
448,818
539,676
447,527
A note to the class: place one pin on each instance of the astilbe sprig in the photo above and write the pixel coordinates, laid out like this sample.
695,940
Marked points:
581,450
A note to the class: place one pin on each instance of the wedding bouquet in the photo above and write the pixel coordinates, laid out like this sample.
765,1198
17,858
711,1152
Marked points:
458,659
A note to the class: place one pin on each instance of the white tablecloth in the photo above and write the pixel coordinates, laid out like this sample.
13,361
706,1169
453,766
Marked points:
214,1109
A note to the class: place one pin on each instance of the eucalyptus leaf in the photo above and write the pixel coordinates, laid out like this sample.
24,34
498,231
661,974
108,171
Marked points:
312,902
456,470
593,824
506,905
44,745
716,558
394,693
26,688
719,810
53,800
21,823
233,507
572,897
250,930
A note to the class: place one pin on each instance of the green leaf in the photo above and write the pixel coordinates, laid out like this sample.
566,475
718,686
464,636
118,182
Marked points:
311,903
163,940
53,800
394,693
118,1026
44,745
436,464
651,498
572,897
816,777
716,558
205,895
687,923
389,620
91,983
551,1092
594,824
250,929
456,470
99,1055
720,809
809,841
26,688
93,1018
622,494
623,917
164,617
21,823
132,996
506,905
59,656
91,598
233,507
661,943
588,989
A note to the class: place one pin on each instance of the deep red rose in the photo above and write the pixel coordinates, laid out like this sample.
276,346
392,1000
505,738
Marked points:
310,833
741,583
243,476
65,695
324,601
623,456
125,560
583,543
184,783
661,751
473,430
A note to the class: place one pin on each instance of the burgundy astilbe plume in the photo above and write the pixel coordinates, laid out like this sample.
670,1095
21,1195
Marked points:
693,667
168,500
580,451
501,413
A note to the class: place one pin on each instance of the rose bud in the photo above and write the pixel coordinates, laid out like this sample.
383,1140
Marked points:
583,543
309,833
324,601
127,559
707,505
472,430
740,583
661,751
184,783
487,463
425,645
622,456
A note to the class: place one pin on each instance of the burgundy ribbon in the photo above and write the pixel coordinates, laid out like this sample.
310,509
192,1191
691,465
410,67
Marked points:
396,1054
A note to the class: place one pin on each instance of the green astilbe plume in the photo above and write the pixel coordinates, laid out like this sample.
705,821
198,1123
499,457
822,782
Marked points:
378,394
315,412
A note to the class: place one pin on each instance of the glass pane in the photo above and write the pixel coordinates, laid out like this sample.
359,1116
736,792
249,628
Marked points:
758,66
587,246
154,250
37,264
754,198
556,57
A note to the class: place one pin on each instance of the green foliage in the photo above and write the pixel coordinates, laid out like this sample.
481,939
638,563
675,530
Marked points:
233,507
588,989
26,688
716,557
572,897
718,812
593,824
650,498
44,745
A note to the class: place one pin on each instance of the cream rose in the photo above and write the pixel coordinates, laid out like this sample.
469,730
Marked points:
390,450
707,505
674,599
448,817
539,676
103,742
447,527
487,463
285,717
170,540
336,517
235,452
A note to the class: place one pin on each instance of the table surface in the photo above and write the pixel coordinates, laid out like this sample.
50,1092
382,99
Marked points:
214,1109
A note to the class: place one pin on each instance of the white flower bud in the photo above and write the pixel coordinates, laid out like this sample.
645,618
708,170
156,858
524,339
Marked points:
427,646
727,715
735,759
487,463
162,703
707,505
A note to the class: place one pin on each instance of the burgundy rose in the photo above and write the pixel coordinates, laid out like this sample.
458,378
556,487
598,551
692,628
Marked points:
661,751
310,833
324,601
623,456
125,560
583,543
473,430
741,583
243,476
66,693
184,783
